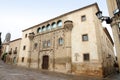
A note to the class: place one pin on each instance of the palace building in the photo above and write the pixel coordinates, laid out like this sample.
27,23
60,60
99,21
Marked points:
72,43
114,12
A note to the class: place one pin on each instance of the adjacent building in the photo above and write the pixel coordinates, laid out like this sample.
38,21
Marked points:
114,11
74,43
11,51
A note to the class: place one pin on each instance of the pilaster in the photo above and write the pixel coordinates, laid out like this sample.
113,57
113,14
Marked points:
68,25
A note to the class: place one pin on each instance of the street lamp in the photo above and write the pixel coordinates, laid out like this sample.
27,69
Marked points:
117,11
103,18
99,14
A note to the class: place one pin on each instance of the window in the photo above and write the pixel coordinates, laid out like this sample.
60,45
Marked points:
25,35
86,57
22,59
59,23
60,41
10,52
53,25
83,18
85,37
48,27
43,28
24,47
11,49
48,43
35,45
39,30
44,44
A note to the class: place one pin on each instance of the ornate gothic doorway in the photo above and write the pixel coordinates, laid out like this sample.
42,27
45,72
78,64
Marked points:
45,63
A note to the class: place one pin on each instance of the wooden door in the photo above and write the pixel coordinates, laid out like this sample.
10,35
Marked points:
45,63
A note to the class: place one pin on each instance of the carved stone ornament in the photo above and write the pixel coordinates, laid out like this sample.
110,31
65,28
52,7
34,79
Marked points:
31,36
68,25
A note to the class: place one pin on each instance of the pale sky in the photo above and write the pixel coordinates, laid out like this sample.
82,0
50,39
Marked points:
17,15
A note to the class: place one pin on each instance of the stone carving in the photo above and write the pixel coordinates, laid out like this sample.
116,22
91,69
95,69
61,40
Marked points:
76,56
31,36
68,25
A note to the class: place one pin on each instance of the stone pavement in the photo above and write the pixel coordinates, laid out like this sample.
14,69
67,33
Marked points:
9,72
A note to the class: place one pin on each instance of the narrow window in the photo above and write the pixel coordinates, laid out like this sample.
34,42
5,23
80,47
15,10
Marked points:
59,23
85,37
39,30
10,52
60,41
48,27
43,28
48,43
25,35
24,47
53,25
44,44
86,57
15,48
15,51
22,59
83,18
35,45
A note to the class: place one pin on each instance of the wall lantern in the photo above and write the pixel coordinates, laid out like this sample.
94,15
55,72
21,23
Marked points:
99,14
117,11
103,18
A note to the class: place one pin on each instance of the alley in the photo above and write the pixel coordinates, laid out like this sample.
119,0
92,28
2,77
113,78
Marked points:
9,72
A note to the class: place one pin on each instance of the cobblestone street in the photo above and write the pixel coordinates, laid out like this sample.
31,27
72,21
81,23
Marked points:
8,72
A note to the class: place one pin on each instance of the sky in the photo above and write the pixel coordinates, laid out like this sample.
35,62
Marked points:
17,15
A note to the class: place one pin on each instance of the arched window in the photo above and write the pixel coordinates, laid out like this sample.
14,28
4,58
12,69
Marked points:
60,41
59,23
39,30
54,25
43,28
48,27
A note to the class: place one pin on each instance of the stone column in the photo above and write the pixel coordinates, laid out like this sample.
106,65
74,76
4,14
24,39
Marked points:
116,35
68,25
31,37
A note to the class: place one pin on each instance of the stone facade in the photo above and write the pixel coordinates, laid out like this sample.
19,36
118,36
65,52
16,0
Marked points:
112,5
74,43
11,49
5,48
115,25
